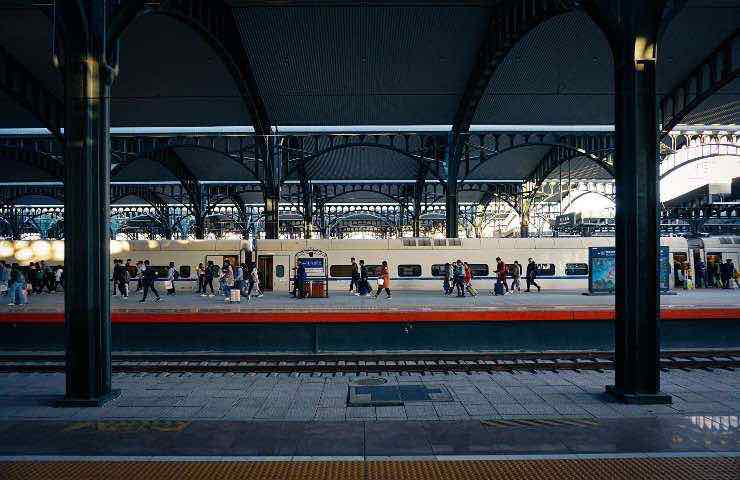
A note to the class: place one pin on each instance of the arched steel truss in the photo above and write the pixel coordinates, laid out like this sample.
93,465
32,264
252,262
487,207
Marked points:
718,69
214,21
707,151
27,91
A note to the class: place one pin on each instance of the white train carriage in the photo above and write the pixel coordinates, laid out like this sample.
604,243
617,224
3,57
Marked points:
418,263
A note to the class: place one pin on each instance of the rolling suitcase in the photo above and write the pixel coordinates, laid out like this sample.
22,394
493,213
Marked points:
498,289
235,296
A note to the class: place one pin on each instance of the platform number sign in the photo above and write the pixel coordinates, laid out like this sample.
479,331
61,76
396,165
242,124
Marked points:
315,267
602,273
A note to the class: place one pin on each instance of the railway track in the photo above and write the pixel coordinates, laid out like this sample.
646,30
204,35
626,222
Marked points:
369,362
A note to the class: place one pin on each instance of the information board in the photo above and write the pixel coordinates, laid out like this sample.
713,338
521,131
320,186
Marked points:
602,273
315,266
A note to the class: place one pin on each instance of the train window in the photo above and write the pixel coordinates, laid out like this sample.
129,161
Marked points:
545,269
576,269
439,270
280,271
160,271
409,270
373,270
341,271
479,269
184,271
424,242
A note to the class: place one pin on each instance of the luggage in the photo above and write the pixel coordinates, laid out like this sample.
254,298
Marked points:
498,289
235,296
472,290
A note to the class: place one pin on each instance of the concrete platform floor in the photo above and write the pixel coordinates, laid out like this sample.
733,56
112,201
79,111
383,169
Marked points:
499,425
402,300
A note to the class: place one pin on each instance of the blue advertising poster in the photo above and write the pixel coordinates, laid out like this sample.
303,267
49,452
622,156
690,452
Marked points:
665,270
602,269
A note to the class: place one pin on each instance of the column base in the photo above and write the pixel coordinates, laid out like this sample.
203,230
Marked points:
638,398
87,402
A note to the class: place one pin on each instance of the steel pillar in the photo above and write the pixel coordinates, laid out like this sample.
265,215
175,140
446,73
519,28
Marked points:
452,207
87,212
637,323
272,219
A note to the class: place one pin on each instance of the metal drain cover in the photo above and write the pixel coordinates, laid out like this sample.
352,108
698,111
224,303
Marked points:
385,395
370,381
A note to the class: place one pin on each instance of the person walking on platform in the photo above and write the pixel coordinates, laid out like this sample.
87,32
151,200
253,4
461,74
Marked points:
364,285
458,277
147,282
354,282
227,278
701,273
501,274
531,275
448,279
17,292
239,274
727,271
116,276
201,273
300,281
384,281
469,280
516,273
121,280
735,274
59,278
254,282
139,276
210,272
172,275
4,276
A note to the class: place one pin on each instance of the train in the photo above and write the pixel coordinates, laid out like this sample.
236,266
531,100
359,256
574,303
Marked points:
415,263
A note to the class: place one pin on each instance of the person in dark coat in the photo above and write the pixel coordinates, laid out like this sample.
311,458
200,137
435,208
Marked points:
148,282
301,278
531,275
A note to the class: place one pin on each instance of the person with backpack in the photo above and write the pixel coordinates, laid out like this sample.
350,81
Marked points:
531,275
149,276
208,275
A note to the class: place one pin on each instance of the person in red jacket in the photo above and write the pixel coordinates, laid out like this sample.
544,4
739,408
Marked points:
501,273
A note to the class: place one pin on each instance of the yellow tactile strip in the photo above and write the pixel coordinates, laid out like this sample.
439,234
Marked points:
583,469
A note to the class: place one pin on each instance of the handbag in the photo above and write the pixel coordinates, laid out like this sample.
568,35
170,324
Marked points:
3,287
380,281
169,285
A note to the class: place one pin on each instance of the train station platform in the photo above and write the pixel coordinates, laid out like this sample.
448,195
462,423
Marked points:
494,425
411,320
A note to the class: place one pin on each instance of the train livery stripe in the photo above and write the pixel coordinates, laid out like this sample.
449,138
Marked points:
402,316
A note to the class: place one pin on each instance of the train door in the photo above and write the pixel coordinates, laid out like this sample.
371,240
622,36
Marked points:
281,280
264,265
